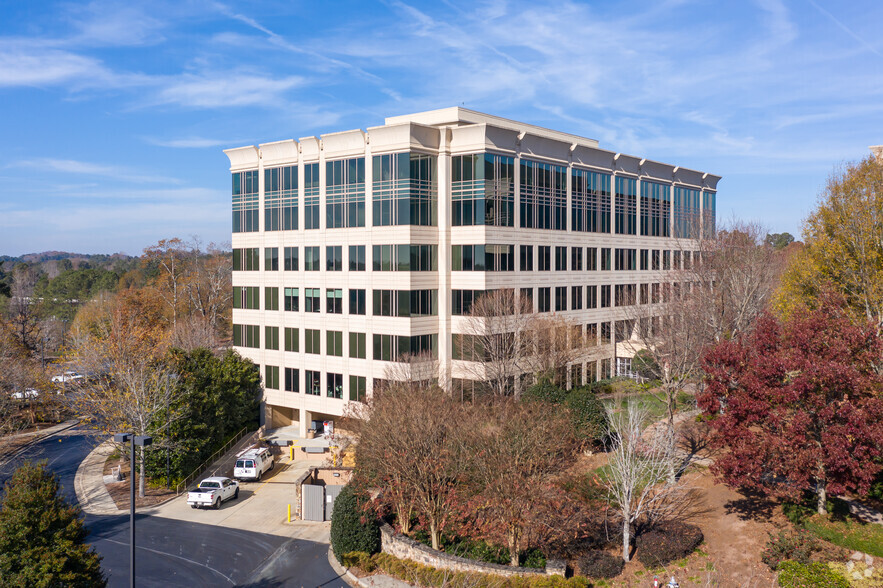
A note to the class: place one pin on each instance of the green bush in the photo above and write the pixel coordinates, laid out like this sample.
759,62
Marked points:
544,391
532,558
588,414
797,547
599,564
813,575
352,527
667,542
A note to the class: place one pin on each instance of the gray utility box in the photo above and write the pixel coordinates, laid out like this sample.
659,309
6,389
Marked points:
318,501
331,493
314,502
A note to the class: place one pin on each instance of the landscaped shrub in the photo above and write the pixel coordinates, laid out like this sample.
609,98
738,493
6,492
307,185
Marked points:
532,558
352,528
797,546
599,564
429,577
813,575
359,559
588,414
667,542
544,391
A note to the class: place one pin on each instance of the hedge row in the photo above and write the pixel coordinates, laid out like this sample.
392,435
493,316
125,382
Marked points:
421,575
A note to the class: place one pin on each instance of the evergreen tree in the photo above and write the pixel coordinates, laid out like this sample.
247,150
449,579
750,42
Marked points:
42,537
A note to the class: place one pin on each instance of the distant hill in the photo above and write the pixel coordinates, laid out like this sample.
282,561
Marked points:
92,258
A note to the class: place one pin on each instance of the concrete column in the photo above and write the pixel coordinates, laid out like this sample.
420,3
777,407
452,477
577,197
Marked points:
304,422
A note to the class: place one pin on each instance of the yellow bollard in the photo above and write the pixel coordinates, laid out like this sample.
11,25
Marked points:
289,513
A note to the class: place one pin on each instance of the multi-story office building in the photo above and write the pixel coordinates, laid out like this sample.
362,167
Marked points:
354,248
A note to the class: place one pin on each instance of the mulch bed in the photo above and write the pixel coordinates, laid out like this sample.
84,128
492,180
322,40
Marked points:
121,491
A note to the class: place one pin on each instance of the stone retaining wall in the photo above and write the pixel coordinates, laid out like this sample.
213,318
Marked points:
403,547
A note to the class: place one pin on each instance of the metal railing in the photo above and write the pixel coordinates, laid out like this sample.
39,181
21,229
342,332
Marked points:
204,466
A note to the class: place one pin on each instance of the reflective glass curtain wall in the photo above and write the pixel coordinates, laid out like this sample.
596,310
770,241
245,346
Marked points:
709,226
245,202
655,209
345,193
626,204
280,198
590,202
686,211
405,191
543,196
483,190
311,196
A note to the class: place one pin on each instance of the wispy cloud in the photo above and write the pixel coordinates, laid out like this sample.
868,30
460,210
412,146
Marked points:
72,166
116,24
189,142
847,30
37,63
225,89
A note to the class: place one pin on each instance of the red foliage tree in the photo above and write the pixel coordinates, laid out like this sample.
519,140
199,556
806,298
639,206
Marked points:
798,405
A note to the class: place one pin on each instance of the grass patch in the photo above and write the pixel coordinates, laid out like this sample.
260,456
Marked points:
839,527
854,535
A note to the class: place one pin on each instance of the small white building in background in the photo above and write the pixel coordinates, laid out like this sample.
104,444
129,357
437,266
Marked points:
353,248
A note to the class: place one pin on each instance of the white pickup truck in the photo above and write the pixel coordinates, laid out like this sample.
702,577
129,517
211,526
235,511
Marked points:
212,492
252,463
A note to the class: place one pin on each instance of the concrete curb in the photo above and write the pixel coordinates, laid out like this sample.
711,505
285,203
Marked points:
375,581
38,436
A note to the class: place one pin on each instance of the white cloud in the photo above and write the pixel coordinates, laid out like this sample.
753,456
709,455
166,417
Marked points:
114,24
72,166
226,89
189,142
36,63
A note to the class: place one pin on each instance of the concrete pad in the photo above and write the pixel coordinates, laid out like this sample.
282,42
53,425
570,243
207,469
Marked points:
262,507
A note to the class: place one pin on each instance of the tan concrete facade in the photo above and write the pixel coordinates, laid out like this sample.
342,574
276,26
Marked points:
443,135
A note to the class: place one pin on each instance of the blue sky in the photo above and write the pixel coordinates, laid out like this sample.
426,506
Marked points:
113,115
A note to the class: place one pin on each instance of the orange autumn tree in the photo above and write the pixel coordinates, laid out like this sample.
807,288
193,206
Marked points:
121,345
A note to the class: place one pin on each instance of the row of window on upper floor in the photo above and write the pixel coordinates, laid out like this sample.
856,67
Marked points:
501,258
423,303
483,193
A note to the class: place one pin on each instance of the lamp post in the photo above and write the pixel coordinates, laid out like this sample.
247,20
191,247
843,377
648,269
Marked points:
141,441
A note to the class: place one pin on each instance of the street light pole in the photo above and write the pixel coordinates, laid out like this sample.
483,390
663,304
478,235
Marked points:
142,441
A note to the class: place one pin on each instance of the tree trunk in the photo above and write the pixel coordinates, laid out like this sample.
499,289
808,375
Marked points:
433,533
514,536
626,539
403,514
670,437
822,496
141,472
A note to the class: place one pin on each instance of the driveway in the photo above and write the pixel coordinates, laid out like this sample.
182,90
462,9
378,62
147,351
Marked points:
179,546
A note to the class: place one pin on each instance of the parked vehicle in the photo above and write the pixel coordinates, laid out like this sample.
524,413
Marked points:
212,492
24,394
67,377
252,463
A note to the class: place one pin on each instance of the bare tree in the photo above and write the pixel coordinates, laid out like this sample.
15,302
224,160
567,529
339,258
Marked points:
23,308
723,287
209,288
638,468
497,339
734,276
130,384
503,338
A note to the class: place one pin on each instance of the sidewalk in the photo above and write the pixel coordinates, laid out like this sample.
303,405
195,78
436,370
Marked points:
89,485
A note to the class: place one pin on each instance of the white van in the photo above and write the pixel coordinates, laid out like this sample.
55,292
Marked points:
252,463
